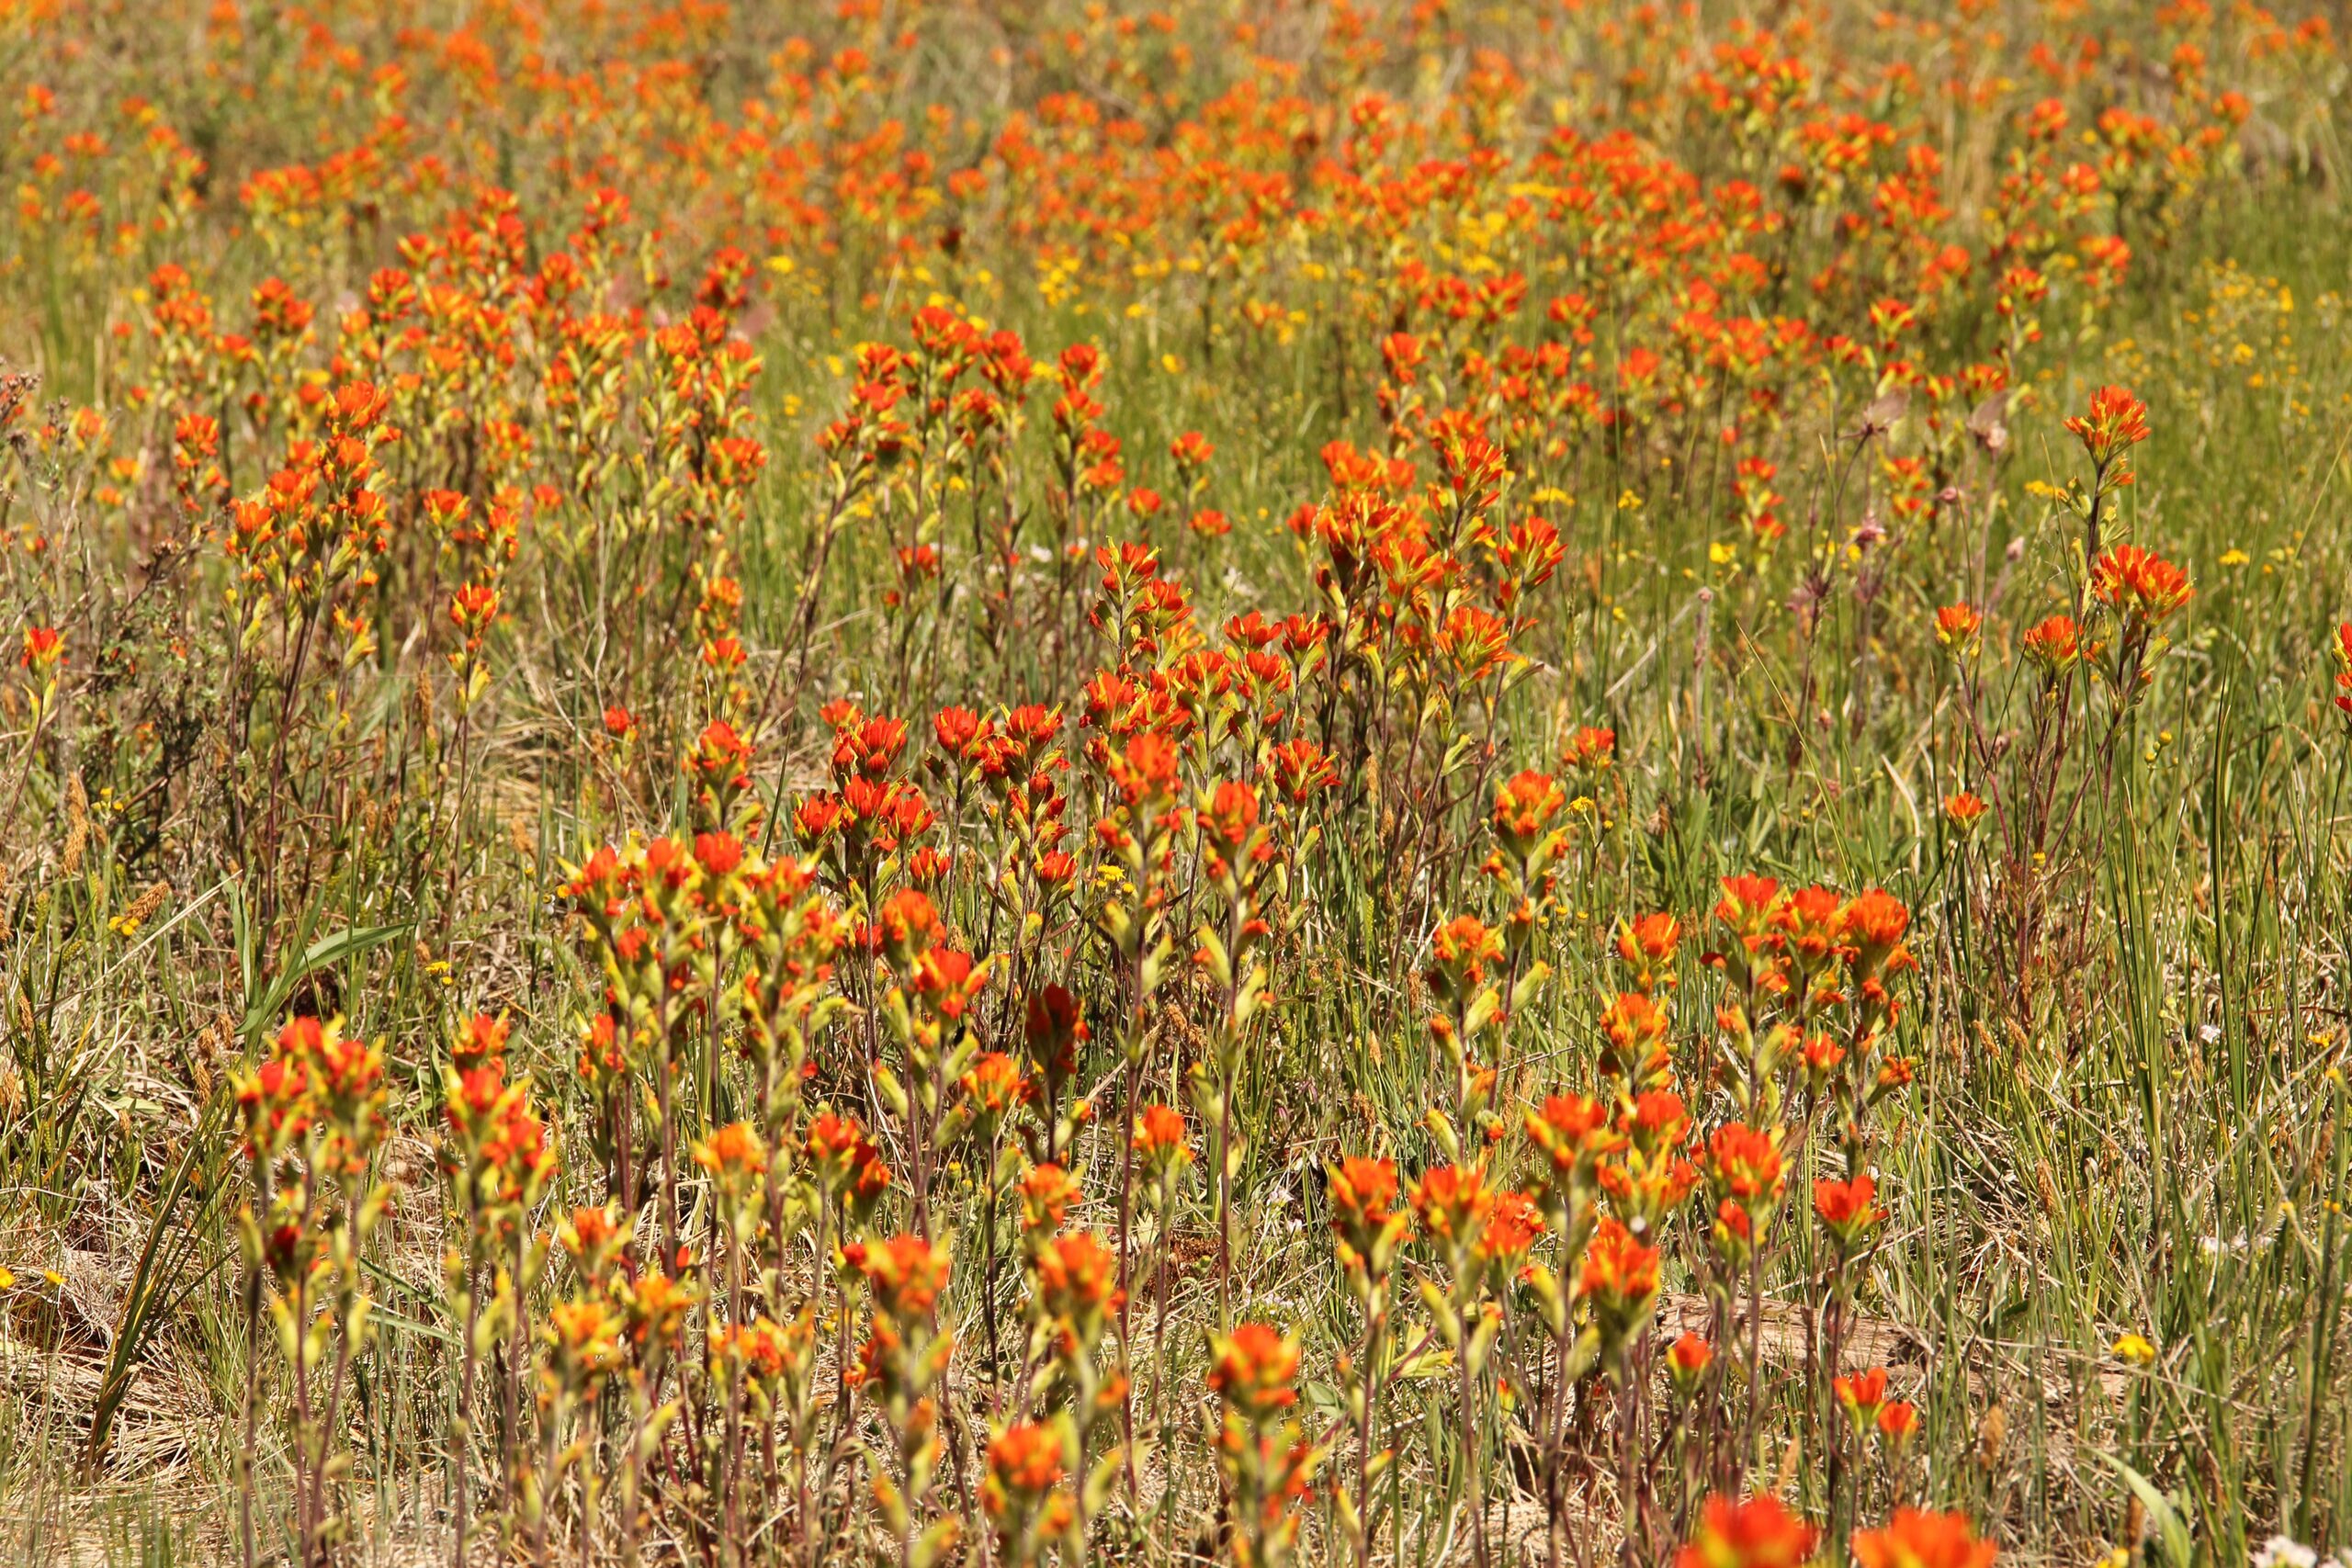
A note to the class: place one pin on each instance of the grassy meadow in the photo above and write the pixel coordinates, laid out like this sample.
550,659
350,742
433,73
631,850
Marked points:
1269,782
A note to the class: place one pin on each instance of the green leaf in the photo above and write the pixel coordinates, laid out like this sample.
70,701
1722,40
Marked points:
166,1237
328,950
2172,1530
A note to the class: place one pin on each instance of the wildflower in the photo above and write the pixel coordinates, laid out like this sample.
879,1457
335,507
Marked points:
734,1156
1749,905
1077,1284
1022,1491
1023,1459
1524,808
1512,1227
1146,772
1873,924
907,1273
1687,1361
1046,1192
44,647
1913,1538
1898,1420
1956,627
717,854
956,729
1961,809
1053,1028
471,610
2142,587
593,1236
584,1344
1460,950
1364,1217
1756,1532
2116,422
1591,751
993,1086
1652,939
1619,1277
1745,1167
1847,1208
1863,1394
2136,1350
1159,1137
481,1038
2284,1551
1253,1368
1635,1027
1573,1132
2052,645
1264,1461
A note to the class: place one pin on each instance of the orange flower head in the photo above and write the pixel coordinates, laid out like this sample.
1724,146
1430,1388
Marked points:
1914,1538
1363,1211
1591,751
1051,1024
1755,1533
2116,422
481,1038
1750,903
1253,1368
994,1084
2341,645
1649,940
1460,951
1512,1227
1024,1464
1746,1164
1145,771
1619,1272
1811,917
1453,1201
1862,1394
2142,587
2054,643
44,647
1232,813
1874,923
1957,625
906,1274
1077,1282
1573,1131
1848,1208
1661,1120
908,922
1525,807
1636,1028
734,1154
1046,1192
1159,1136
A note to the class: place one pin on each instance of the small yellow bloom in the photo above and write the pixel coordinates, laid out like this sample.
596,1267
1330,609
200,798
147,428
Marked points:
6,1278
2135,1349
2234,557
